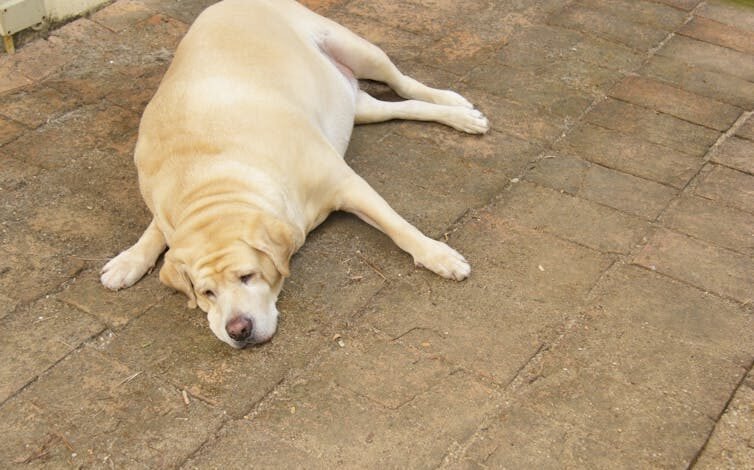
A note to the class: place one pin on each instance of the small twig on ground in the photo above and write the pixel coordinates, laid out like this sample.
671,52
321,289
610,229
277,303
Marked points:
185,397
371,265
129,378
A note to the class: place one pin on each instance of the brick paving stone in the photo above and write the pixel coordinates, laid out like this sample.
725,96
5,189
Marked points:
36,105
190,357
596,183
100,413
16,174
603,23
494,153
323,7
383,370
686,5
10,78
728,186
652,126
158,34
735,153
555,97
629,154
25,357
114,308
540,45
699,80
7,305
9,130
736,14
747,129
122,14
705,341
40,58
691,374
711,31
700,264
572,218
634,296
712,222
368,435
624,192
242,443
523,121
522,438
731,445
622,416
97,126
419,177
31,267
182,10
709,56
472,323
651,13
429,20
676,102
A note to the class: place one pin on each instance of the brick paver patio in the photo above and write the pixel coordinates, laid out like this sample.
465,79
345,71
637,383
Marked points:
608,217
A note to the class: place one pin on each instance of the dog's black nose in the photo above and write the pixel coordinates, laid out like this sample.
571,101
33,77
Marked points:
239,328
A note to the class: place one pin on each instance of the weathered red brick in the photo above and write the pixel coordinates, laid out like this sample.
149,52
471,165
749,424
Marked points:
718,33
728,186
702,81
703,265
736,153
710,56
747,129
676,102
653,126
711,221
36,105
631,154
122,14
734,13
9,130
604,24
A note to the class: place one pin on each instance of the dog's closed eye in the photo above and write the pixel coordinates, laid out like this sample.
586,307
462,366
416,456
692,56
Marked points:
246,278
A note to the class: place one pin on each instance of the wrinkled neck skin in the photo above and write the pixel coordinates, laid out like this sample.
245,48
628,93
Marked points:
222,234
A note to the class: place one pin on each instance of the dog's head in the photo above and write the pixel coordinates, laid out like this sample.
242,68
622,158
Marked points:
233,269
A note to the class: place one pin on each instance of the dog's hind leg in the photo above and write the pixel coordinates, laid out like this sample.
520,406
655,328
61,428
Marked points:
130,265
370,109
368,61
357,197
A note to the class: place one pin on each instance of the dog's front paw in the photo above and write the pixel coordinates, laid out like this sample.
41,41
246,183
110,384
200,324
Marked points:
471,121
123,270
443,260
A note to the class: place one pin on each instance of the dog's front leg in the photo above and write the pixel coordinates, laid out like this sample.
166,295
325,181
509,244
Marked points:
130,265
358,197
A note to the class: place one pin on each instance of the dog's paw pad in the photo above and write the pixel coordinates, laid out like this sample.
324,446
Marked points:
123,271
444,261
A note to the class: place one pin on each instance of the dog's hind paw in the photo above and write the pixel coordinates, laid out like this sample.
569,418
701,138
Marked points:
123,271
471,121
444,261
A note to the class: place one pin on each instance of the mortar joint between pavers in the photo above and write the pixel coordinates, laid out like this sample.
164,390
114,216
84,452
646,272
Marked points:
741,382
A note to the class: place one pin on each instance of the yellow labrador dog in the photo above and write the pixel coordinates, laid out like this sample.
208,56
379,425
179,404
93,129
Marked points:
240,155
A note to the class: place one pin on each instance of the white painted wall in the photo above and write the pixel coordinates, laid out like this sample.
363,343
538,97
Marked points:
57,10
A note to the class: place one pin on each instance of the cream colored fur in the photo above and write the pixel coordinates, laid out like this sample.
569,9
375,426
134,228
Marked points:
240,156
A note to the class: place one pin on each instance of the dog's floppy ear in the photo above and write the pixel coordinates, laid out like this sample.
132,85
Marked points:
174,275
273,238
